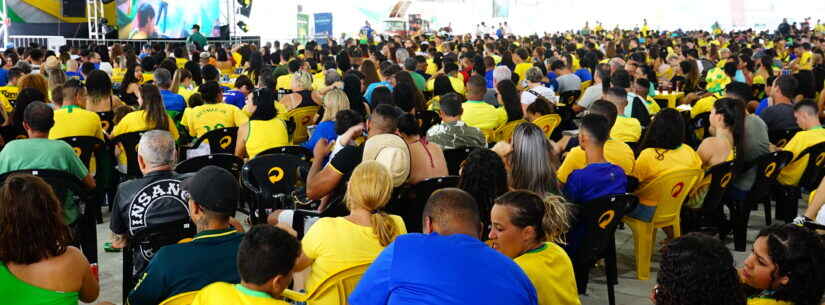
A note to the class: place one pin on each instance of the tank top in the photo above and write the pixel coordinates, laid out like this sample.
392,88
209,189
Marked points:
306,99
264,135
25,293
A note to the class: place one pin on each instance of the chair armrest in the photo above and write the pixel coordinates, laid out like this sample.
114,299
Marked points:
294,295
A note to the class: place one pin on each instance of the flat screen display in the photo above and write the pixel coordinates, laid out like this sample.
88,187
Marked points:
158,19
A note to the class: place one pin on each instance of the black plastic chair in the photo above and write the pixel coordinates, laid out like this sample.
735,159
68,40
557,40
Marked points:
129,142
107,121
758,90
64,184
781,137
221,140
711,213
454,157
700,124
412,199
601,217
226,161
299,151
155,238
816,167
84,147
568,98
767,168
271,179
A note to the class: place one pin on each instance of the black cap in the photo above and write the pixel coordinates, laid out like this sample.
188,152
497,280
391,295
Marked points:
196,27
214,188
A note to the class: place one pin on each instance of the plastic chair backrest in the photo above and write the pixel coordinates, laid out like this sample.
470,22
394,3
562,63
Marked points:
269,176
299,151
781,137
767,169
586,84
505,132
413,199
62,182
129,143
454,157
226,161
815,169
335,289
669,191
84,147
427,119
699,125
221,140
548,123
107,121
601,216
569,97
721,176
185,298
302,118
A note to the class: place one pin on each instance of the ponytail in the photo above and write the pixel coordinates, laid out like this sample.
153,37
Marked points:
384,227
556,219
549,216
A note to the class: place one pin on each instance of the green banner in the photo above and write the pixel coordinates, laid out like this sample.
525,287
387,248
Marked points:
303,28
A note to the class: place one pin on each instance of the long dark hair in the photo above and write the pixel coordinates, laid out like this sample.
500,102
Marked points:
32,226
403,77
153,105
352,88
264,101
512,102
733,111
128,78
24,98
666,132
484,176
697,269
442,85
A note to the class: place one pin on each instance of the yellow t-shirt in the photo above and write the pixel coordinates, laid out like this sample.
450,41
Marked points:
221,293
181,62
264,135
615,151
806,61
136,121
655,162
237,57
457,84
204,118
704,105
186,93
551,272
626,129
766,301
791,174
336,244
8,95
284,82
652,106
482,115
521,70
432,69
73,121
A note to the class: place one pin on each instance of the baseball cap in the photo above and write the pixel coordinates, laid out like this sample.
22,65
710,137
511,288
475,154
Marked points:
214,188
196,27
205,55
392,152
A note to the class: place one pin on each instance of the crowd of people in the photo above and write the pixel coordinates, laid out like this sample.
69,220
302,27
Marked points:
553,122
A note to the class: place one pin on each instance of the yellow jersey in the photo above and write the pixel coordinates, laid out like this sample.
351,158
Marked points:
551,272
704,105
655,162
481,115
652,106
207,117
136,121
181,62
186,93
263,135
791,174
615,151
8,96
335,244
221,293
521,70
626,129
284,82
806,61
73,121
458,84
766,301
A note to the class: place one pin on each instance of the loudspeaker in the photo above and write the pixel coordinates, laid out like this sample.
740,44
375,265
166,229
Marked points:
224,32
74,8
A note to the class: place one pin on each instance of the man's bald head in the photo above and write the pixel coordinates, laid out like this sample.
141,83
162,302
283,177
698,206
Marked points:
452,211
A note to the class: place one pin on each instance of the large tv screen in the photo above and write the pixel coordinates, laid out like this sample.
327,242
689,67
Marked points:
155,19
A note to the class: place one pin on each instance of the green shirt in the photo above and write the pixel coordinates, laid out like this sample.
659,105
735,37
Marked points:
17,292
197,38
44,154
280,71
419,81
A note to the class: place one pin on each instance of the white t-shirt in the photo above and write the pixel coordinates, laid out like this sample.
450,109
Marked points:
528,97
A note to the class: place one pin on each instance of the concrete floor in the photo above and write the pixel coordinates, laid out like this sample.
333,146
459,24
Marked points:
629,291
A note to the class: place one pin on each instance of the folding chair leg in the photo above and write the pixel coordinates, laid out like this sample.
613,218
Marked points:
611,271
768,219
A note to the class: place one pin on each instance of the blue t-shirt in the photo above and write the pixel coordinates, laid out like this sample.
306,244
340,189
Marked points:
234,97
762,105
371,87
552,83
324,130
489,77
4,77
466,272
584,74
595,181
172,101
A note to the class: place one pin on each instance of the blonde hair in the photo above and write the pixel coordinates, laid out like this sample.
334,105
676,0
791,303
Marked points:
370,188
334,101
549,216
302,80
36,81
